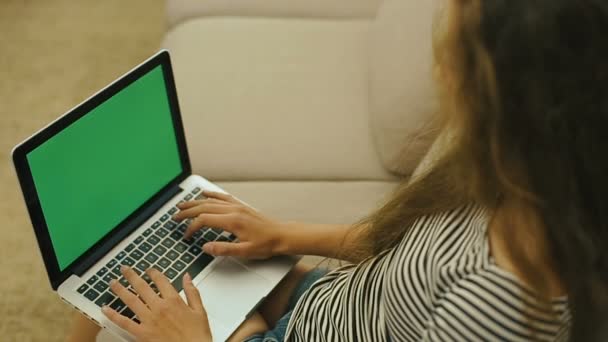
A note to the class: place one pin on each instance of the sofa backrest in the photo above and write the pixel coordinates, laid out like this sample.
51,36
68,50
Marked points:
179,11
402,95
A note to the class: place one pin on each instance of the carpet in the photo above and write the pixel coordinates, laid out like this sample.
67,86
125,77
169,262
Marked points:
53,54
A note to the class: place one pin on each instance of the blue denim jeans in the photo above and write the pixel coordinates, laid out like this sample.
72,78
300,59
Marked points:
277,334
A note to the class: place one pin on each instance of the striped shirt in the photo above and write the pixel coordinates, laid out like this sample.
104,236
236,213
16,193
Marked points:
438,284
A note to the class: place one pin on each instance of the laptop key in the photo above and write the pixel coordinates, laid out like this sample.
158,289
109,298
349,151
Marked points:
209,235
102,271
168,242
187,258
145,247
101,286
164,218
164,262
118,305
116,270
136,255
172,255
172,211
91,294
162,232
82,288
147,232
138,240
223,238
151,258
217,231
92,280
200,197
158,268
188,197
105,299
176,235
108,277
195,268
156,225
111,264
129,247
121,255
170,225
196,250
178,265
153,240
197,234
143,265
123,281
196,190
171,273
182,228
180,247
127,312
128,261
160,250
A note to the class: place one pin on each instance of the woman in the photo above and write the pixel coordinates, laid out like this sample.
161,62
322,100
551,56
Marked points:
501,239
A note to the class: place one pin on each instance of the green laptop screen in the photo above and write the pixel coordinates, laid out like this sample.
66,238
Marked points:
96,172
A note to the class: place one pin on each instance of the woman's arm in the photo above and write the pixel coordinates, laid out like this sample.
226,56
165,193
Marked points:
261,237
324,240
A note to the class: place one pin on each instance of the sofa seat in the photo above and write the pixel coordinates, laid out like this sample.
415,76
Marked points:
312,201
277,99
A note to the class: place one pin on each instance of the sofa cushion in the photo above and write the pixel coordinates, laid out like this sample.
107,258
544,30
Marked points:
402,95
179,11
275,98
313,202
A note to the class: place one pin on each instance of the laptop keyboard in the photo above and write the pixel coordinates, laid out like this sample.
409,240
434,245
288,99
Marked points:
160,246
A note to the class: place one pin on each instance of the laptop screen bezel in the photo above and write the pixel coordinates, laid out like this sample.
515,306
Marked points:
57,276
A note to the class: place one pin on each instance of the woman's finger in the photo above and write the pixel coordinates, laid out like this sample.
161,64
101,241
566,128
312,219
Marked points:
134,303
192,294
164,286
220,196
204,208
188,204
237,249
122,321
223,221
141,287
193,203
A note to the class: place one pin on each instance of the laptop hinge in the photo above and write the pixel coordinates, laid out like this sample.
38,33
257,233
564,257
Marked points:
126,229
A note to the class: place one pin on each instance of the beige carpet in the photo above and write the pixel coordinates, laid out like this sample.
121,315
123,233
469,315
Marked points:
53,54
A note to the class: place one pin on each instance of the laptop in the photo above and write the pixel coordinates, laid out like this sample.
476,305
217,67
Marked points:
101,184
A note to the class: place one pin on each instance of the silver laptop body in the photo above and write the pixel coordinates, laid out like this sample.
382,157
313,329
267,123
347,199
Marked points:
231,288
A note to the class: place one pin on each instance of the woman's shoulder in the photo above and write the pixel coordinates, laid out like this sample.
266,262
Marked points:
444,270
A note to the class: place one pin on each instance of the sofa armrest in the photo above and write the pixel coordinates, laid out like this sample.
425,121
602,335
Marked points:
182,10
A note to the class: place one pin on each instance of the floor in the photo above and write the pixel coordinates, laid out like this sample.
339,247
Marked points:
53,54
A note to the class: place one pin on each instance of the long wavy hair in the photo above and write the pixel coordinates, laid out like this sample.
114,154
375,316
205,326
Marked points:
526,103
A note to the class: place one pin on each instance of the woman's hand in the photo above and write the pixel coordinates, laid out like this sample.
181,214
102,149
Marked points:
165,318
259,237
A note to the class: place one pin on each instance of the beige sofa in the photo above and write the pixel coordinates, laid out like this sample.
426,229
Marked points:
303,108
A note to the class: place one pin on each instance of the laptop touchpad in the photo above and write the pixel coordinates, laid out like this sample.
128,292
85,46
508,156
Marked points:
230,291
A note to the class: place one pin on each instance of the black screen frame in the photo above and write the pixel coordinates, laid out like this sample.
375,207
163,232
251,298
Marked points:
57,276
